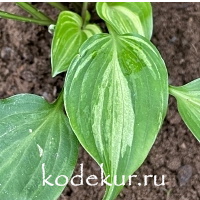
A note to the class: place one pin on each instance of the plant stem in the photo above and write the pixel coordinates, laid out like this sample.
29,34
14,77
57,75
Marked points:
24,19
83,13
58,5
33,11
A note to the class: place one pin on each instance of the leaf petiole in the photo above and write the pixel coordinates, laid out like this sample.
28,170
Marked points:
84,13
59,101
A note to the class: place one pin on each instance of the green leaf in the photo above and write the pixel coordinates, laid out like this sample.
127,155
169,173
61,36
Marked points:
116,94
32,10
68,37
188,100
34,136
127,17
7,15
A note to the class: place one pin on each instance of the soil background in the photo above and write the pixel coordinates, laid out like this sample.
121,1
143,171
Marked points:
25,68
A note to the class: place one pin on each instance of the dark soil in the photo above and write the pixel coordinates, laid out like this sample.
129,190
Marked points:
25,68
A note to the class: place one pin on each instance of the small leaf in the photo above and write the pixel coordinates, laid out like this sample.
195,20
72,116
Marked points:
116,95
68,37
34,135
188,100
127,17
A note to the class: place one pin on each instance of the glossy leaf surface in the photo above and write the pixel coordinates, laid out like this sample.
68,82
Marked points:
127,17
35,140
116,95
188,100
69,35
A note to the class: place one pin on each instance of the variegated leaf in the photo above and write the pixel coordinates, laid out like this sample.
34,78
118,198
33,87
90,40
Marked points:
68,37
36,142
127,17
188,100
116,94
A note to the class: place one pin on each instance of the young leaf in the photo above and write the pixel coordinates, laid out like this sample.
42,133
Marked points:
68,37
36,141
188,100
116,95
127,17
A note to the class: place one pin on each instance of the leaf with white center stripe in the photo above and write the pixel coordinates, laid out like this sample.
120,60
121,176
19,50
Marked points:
127,17
69,35
116,94
188,101
35,141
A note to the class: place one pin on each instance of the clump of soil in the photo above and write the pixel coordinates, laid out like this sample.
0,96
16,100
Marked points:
25,68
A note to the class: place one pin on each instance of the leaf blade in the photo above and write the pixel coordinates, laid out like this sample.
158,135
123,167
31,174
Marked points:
127,17
33,134
67,39
108,100
188,101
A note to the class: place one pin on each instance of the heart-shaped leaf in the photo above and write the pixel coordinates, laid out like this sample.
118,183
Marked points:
188,100
68,37
127,17
116,94
36,141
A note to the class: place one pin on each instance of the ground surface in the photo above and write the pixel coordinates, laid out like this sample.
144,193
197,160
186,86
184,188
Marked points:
25,68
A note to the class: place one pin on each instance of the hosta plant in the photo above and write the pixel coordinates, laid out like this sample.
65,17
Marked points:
115,98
